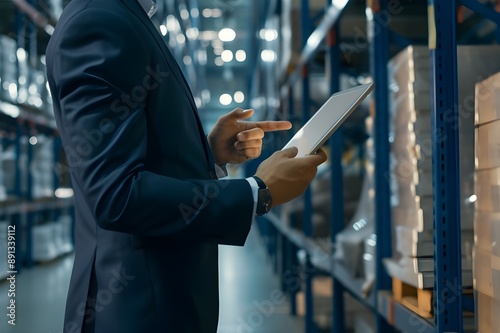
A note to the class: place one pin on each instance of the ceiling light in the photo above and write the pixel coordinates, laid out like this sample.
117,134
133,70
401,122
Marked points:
33,140
208,35
192,33
10,109
198,102
184,14
241,55
63,193
268,34
225,99
181,39
339,3
239,97
227,35
216,13
187,60
472,198
195,12
163,30
202,57
32,89
205,95
218,50
268,56
217,43
171,23
49,29
21,54
207,13
218,61
227,56
12,90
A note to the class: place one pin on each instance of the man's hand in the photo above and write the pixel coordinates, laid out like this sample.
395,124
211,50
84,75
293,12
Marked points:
287,176
235,141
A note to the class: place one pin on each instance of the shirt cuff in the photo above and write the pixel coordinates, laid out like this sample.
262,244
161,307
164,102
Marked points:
220,171
255,192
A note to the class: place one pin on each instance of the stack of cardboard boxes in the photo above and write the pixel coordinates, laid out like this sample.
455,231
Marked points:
411,159
487,199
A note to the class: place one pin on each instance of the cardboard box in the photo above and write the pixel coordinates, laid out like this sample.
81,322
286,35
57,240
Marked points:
487,100
483,274
488,190
488,309
484,311
488,145
487,231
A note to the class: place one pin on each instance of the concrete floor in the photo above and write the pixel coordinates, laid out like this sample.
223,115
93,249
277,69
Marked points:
250,299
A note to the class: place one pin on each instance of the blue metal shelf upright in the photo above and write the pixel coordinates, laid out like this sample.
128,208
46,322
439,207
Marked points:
446,174
378,34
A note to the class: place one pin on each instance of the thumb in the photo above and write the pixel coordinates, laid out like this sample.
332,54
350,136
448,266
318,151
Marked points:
290,152
318,158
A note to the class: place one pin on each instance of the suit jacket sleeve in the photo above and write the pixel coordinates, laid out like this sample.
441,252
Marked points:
96,60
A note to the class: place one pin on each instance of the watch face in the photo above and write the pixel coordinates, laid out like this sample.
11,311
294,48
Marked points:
264,203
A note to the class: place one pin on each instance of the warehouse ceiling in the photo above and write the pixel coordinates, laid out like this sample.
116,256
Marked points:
227,70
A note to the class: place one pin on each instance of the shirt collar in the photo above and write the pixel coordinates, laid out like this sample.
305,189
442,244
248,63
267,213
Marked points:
149,6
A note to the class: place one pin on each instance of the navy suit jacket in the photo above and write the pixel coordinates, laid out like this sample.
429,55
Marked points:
149,215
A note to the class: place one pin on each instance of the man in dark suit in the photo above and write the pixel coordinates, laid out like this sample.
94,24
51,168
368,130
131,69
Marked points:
150,211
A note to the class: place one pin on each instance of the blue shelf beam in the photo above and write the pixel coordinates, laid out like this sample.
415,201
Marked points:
322,260
482,9
446,170
408,321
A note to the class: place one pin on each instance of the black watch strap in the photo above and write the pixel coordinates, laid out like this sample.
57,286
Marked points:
264,200
260,183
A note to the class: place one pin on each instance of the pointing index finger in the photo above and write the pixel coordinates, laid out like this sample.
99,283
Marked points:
269,126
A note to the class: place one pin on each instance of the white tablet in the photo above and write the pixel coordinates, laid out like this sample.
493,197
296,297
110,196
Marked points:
327,119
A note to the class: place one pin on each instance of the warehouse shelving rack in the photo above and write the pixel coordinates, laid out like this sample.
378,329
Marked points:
449,302
21,209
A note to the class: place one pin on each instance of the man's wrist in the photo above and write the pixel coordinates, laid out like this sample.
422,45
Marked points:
264,199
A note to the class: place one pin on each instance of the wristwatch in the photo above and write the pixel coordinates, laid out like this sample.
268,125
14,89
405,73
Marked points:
264,198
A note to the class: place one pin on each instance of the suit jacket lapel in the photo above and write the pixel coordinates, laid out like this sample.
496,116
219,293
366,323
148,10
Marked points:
137,10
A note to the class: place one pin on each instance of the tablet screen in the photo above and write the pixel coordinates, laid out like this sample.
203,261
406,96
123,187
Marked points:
327,119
